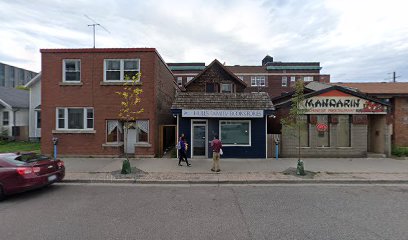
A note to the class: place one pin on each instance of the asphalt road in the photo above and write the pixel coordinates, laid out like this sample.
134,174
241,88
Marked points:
69,211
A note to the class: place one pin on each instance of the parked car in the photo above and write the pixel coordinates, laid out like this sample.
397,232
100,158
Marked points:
22,172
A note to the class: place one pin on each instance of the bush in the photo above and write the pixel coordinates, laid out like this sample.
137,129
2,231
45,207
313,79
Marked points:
400,151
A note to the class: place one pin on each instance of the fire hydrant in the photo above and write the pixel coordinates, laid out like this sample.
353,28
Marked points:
300,170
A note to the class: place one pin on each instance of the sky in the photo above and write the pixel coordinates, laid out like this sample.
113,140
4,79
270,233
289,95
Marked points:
354,41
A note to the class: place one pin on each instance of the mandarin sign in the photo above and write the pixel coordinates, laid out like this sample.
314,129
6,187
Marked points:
211,113
341,103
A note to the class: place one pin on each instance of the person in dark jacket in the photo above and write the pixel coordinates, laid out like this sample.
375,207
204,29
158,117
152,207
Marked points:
183,152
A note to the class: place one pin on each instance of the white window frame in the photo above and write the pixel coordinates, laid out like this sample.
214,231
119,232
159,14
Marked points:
120,124
236,145
85,120
8,118
256,79
189,79
122,69
36,119
64,70
226,84
293,79
308,78
284,81
180,81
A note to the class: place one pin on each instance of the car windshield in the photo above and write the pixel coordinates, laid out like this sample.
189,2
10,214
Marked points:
30,157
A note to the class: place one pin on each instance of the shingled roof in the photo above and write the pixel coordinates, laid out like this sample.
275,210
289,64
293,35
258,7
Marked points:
14,98
201,100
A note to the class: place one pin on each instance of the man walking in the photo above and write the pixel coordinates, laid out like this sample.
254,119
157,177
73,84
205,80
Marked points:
216,146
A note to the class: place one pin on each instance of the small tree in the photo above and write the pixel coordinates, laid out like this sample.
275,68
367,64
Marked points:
292,123
129,110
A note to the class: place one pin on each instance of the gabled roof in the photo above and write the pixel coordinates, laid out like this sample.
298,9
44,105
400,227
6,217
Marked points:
202,100
379,88
14,98
339,88
222,67
33,80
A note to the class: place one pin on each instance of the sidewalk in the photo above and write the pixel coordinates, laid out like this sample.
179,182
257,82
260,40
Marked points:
238,171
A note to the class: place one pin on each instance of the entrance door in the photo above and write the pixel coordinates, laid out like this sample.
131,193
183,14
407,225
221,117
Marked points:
131,140
199,136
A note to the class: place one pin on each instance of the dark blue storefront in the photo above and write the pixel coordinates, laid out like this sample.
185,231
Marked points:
242,132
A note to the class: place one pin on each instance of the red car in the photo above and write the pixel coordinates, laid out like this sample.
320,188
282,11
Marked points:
22,172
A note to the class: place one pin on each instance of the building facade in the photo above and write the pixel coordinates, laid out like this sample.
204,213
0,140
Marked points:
34,127
272,77
80,106
12,77
215,103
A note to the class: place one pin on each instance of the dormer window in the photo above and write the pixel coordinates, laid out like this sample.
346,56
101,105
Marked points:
226,88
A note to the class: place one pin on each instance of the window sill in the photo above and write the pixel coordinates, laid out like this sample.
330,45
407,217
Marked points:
71,84
73,131
344,147
303,147
118,83
323,147
143,145
112,144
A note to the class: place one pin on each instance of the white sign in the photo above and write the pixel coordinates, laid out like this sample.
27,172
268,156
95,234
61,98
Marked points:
208,113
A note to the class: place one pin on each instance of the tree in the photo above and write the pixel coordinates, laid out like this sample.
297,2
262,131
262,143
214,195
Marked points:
293,122
129,110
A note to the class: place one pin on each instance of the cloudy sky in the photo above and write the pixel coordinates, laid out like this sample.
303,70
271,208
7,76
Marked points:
356,40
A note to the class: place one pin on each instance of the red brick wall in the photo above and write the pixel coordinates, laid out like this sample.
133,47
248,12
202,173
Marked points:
102,98
401,121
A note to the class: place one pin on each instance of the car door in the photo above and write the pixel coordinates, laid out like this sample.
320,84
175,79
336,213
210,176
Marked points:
8,175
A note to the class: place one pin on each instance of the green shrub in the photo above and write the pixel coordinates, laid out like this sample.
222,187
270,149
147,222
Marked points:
400,151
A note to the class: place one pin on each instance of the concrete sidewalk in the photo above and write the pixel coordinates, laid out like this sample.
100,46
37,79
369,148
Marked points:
244,171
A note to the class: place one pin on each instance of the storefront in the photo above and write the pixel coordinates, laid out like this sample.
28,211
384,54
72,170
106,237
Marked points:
240,121
338,122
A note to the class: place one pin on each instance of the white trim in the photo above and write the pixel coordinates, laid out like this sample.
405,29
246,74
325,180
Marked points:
236,145
192,136
256,79
5,104
63,70
121,70
33,80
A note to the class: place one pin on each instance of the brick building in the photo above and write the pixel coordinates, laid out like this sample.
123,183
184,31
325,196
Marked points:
272,77
395,93
80,107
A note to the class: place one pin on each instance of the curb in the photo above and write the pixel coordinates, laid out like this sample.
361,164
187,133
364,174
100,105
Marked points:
276,181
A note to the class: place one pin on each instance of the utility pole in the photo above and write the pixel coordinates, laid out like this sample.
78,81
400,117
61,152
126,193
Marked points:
394,77
94,25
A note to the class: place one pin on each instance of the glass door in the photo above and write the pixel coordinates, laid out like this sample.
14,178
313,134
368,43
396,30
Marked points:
199,146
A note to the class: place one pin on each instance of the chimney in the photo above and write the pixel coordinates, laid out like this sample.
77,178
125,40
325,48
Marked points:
266,60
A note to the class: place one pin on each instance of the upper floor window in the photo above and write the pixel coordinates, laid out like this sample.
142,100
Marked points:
258,81
292,78
284,81
121,69
71,70
189,79
308,78
75,118
5,118
226,88
241,77
180,81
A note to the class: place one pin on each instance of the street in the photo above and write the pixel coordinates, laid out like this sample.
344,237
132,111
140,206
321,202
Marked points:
120,211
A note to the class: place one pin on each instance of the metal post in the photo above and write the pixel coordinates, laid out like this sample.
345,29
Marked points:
55,151
276,151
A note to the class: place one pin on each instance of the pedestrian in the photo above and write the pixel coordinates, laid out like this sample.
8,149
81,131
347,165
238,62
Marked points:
183,152
216,145
179,147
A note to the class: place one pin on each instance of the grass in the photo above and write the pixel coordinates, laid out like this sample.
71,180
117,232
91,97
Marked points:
16,146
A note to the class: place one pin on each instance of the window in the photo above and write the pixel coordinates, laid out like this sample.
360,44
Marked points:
235,132
322,138
284,81
258,81
209,87
71,70
114,131
241,77
304,130
38,119
189,79
343,130
308,78
142,131
292,78
180,81
121,69
5,118
226,88
75,118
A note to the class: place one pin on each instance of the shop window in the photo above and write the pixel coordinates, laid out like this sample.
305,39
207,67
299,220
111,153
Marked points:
235,132
322,137
343,130
114,131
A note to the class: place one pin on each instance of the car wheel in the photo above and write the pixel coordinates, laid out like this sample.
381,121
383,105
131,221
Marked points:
2,195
